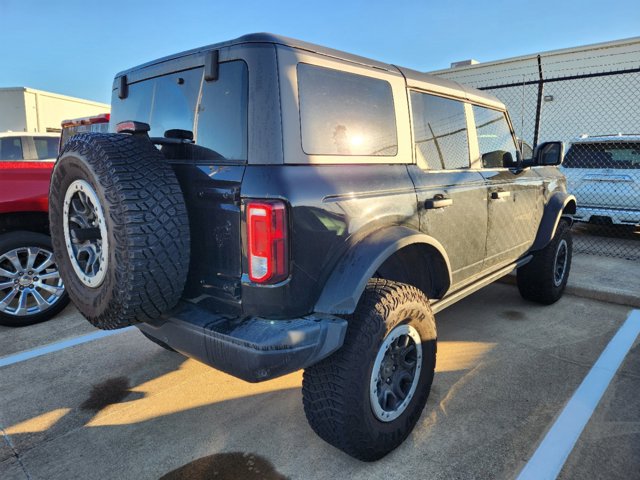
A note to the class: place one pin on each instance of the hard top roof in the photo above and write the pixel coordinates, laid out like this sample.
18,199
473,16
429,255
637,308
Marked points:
414,78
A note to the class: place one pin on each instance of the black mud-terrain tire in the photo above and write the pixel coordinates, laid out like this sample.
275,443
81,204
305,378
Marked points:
160,343
146,223
336,391
21,239
537,279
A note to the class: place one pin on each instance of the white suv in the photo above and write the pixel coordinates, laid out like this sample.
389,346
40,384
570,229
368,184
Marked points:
603,172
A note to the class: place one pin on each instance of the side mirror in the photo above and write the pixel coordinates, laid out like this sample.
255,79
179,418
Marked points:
548,153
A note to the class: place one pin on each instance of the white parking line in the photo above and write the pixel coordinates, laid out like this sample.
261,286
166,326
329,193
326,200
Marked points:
548,459
57,346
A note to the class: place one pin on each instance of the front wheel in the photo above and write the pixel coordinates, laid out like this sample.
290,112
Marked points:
366,398
545,277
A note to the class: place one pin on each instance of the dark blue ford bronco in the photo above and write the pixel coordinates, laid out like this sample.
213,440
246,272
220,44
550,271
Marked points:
265,205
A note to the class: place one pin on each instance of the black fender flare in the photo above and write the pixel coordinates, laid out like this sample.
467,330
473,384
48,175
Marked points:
348,280
559,205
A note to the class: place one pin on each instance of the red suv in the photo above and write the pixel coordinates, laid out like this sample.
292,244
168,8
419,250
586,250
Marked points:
31,289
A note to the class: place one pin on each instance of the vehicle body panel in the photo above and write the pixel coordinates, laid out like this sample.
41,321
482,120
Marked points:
338,206
24,186
514,217
467,191
349,278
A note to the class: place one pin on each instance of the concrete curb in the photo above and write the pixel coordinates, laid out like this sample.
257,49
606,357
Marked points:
602,294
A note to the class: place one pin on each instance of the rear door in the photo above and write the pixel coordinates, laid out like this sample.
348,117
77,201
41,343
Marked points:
514,196
201,128
451,197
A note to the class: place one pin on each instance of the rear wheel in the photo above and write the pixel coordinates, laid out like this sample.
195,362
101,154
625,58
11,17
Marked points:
31,290
119,227
366,398
545,277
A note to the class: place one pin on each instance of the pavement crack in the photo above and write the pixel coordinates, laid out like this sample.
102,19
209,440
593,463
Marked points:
14,451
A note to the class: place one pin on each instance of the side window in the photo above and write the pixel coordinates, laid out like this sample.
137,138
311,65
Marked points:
11,148
46,147
525,149
497,148
345,114
440,129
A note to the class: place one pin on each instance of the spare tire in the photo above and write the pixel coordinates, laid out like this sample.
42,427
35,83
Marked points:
119,227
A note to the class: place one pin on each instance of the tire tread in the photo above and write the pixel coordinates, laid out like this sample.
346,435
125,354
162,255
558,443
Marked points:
149,221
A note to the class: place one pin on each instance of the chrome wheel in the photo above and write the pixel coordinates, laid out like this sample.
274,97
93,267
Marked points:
560,263
395,373
29,281
85,233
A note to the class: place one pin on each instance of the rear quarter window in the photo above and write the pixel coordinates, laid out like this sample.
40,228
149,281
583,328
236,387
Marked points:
345,114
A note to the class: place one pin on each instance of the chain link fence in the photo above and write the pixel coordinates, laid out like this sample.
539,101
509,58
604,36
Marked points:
597,115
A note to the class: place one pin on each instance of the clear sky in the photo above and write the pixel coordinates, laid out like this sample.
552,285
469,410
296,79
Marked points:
75,47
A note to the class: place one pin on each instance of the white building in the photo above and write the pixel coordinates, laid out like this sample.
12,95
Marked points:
592,89
28,110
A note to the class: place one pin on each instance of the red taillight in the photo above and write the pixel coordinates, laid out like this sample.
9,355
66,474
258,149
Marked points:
267,241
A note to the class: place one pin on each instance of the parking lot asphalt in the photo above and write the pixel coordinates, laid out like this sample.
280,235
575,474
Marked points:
122,407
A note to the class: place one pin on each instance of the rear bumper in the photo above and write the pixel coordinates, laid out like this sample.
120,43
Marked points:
618,216
253,349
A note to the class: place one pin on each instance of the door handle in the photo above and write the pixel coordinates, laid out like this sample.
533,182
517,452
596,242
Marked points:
439,201
500,194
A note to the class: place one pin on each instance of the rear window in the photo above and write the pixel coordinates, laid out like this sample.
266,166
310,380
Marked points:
345,114
214,112
621,155
11,148
46,147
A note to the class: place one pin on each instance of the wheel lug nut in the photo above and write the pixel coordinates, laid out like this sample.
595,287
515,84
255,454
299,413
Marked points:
30,272
35,279
388,380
